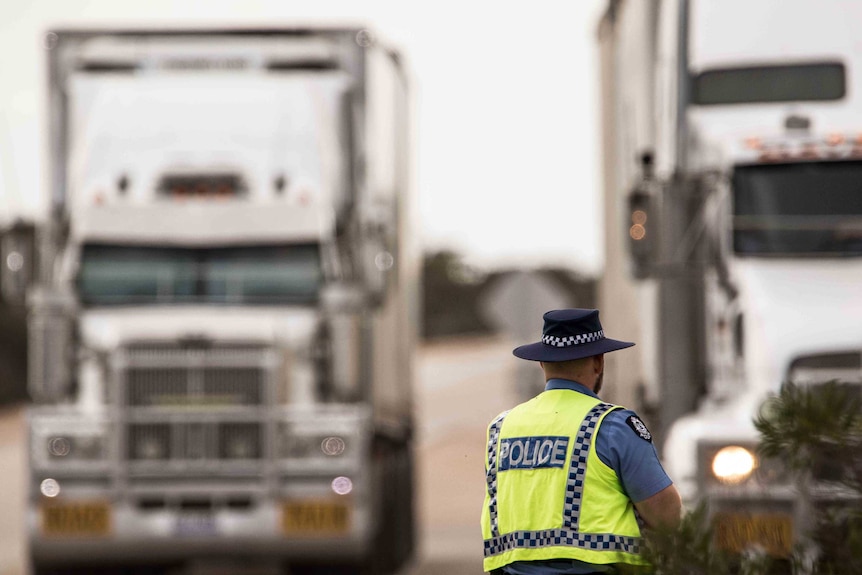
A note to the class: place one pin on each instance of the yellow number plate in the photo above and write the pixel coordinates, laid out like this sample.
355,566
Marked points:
737,532
78,519
315,517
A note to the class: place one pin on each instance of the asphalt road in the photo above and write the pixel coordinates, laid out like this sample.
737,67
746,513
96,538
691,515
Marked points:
461,385
12,489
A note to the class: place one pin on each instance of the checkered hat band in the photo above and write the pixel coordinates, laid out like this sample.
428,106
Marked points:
571,340
561,538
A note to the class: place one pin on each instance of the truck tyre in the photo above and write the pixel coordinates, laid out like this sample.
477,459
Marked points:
394,541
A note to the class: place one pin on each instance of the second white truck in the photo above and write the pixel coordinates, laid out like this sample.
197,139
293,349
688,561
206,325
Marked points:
733,145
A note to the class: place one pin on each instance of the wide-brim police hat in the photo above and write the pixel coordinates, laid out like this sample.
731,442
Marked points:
570,334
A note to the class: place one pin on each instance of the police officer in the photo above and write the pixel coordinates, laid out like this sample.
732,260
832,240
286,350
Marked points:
571,479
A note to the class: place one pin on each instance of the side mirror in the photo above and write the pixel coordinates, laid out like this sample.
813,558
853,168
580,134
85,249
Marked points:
378,260
341,298
642,223
339,340
642,226
50,326
17,262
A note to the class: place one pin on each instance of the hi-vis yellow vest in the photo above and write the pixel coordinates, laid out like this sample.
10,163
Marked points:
548,495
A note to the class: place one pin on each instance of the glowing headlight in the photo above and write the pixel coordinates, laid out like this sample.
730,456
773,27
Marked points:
733,464
50,488
342,485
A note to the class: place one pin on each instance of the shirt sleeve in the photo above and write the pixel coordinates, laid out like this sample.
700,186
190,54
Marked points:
626,446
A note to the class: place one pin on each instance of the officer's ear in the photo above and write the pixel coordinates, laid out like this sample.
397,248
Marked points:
599,363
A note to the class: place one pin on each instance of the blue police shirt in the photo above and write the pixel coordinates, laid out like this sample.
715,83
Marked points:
635,461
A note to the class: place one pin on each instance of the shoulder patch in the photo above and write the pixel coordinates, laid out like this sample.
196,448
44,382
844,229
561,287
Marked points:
638,427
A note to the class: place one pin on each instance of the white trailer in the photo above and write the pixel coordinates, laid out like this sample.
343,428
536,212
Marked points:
744,232
222,328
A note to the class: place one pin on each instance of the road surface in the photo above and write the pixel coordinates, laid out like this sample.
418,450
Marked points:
12,489
461,384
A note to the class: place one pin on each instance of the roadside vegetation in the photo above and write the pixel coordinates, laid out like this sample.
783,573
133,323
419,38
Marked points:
816,432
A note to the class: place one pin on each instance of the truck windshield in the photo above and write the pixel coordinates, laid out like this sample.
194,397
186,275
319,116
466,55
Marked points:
133,275
805,209
822,81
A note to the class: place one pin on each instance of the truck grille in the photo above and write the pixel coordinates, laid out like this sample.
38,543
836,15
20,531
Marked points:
212,377
195,405
147,387
197,441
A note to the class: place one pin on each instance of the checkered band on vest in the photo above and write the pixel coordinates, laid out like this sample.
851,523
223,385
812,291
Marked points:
578,468
561,537
491,475
569,535
571,340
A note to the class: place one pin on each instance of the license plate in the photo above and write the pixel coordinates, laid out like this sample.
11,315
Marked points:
315,517
737,532
84,519
196,525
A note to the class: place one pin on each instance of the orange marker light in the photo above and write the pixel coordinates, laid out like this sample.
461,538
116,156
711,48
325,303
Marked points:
835,139
753,143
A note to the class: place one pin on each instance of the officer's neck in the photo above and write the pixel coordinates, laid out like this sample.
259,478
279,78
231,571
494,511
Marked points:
587,371
591,383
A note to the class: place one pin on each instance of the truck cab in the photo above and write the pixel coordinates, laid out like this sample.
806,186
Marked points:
221,333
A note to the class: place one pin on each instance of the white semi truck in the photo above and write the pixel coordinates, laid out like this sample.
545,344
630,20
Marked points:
221,329
733,162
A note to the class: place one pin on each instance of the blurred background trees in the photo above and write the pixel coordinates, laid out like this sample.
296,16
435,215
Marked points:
453,292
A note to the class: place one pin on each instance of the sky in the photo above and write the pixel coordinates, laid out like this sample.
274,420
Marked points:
504,99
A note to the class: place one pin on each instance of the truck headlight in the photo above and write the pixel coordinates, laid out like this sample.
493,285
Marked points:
326,437
333,446
69,440
316,445
59,446
88,447
733,464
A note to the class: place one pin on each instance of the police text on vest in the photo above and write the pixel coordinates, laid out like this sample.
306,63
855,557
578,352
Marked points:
533,452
